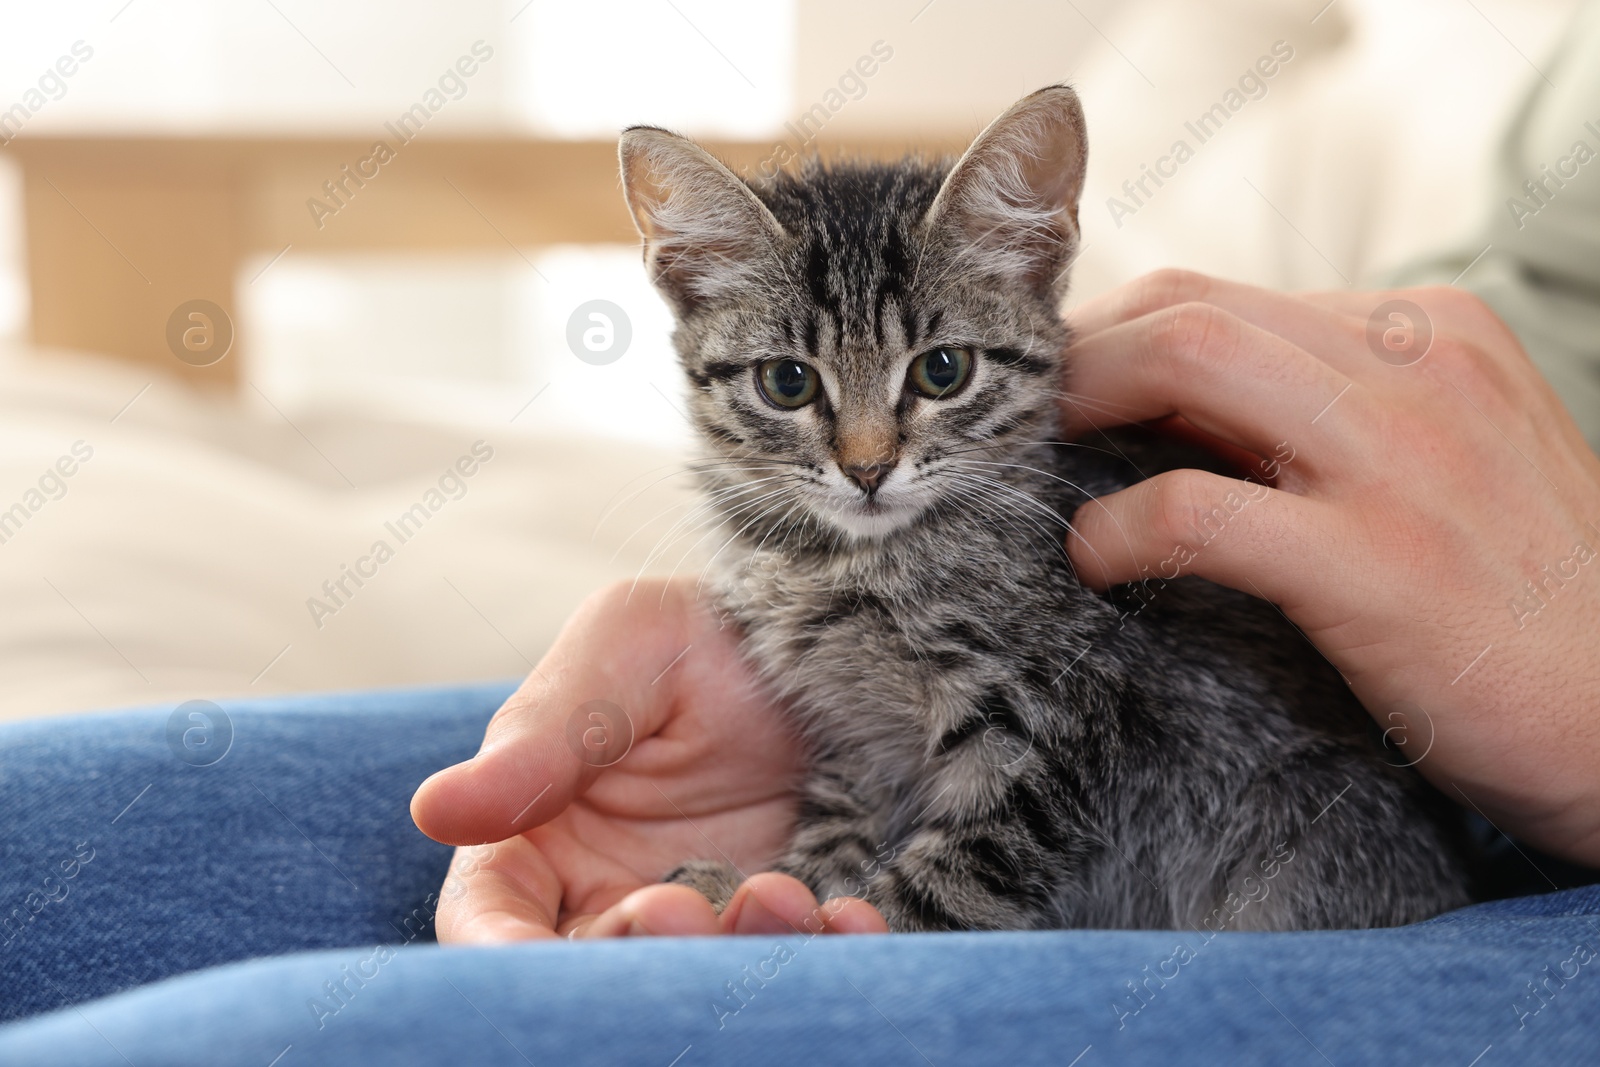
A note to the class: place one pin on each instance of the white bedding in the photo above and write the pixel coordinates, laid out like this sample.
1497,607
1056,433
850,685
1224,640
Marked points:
179,559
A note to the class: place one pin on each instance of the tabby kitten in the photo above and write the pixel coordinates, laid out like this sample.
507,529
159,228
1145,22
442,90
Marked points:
875,354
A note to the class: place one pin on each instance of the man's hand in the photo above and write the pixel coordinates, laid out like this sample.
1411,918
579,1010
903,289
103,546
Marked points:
1421,500
576,812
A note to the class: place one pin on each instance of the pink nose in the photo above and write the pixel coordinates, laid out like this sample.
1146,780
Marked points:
868,476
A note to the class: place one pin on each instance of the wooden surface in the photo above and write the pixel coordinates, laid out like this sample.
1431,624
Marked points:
121,231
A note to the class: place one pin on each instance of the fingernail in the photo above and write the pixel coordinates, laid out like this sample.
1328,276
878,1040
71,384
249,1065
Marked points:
754,918
637,929
833,906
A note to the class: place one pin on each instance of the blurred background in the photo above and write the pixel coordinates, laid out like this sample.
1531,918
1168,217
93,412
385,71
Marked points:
275,275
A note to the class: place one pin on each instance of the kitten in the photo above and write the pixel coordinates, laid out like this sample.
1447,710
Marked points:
875,353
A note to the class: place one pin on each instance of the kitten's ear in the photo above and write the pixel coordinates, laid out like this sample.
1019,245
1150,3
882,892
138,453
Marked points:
1010,204
705,233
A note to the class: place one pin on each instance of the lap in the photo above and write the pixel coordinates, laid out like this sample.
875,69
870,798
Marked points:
1443,991
127,855
128,859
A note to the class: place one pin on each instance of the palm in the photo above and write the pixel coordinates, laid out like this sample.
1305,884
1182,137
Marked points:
715,783
710,775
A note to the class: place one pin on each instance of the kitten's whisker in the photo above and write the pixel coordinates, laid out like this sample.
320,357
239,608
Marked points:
1060,541
1125,412
695,502
706,503
1055,515
755,458
722,509
697,468
728,516
998,508
1065,481
1007,487
709,507
1068,482
739,533
780,523
661,554
613,503
974,486
1068,397
684,466
1009,507
783,523
1013,443
969,499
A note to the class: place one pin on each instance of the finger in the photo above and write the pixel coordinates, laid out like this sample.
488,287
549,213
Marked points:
1240,534
1227,377
852,915
1357,304
1344,300
1138,298
1406,336
653,911
768,903
529,769
494,928
1333,333
773,903
500,892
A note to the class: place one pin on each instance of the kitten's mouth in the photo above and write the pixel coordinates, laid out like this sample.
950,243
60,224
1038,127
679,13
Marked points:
871,515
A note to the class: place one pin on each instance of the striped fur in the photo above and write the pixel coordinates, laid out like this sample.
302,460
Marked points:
992,744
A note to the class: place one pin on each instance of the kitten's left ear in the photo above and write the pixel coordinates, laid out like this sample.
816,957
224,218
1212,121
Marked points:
706,235
1010,204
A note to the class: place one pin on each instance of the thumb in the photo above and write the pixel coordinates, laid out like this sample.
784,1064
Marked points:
524,775
580,711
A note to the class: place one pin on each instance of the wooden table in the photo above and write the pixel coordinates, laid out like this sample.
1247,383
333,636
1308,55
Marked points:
122,230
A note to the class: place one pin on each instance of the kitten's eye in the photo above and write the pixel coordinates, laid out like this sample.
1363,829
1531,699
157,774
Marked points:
788,383
941,372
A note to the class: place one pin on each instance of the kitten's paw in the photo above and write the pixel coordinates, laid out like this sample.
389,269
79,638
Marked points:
713,879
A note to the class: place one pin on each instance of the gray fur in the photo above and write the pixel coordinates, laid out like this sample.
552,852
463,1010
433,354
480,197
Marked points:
993,745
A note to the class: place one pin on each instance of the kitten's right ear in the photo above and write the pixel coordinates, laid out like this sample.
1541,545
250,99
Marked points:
706,235
1010,205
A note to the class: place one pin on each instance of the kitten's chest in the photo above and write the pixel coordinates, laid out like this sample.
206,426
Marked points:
815,631
871,662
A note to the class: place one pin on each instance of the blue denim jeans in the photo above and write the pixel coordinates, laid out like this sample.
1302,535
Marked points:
243,885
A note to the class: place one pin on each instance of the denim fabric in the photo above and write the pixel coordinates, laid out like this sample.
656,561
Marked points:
297,838
296,845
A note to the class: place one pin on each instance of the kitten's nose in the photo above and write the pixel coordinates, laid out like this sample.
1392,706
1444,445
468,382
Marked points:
868,475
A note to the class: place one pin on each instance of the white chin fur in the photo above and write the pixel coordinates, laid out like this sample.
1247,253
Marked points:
861,524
